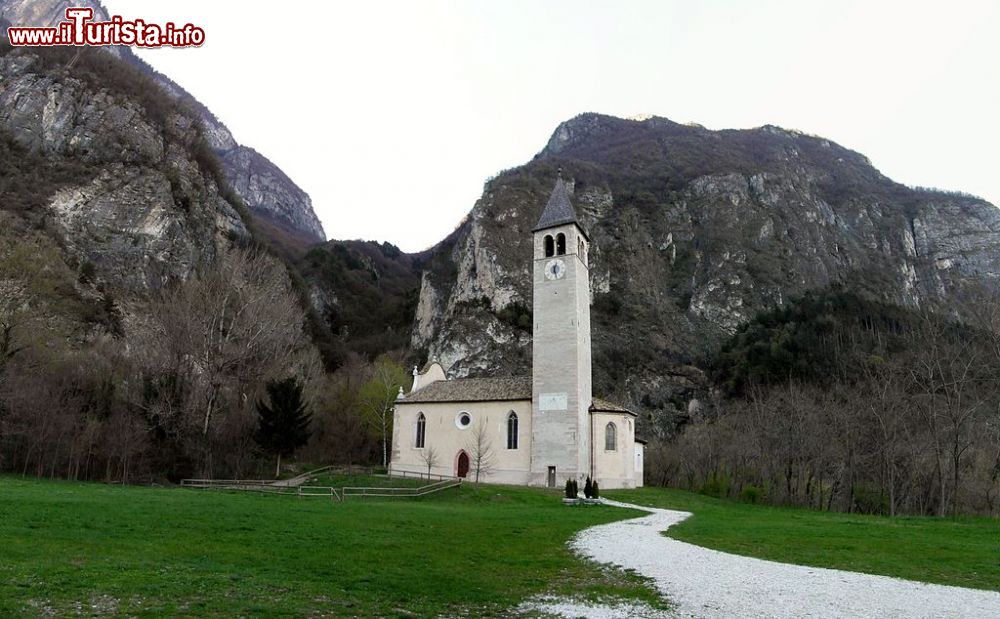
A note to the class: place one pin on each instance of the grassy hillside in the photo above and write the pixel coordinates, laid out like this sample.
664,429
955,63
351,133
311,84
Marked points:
98,549
964,552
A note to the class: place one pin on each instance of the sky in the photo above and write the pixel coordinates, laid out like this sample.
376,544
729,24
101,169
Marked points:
392,115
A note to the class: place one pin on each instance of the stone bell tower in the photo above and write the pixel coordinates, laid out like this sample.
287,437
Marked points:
561,381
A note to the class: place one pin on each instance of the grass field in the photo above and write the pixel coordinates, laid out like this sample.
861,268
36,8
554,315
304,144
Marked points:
69,548
952,551
337,480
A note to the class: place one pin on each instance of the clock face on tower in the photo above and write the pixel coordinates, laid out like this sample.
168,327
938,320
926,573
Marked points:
555,269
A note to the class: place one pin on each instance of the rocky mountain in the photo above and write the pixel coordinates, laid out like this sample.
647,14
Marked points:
114,173
694,232
111,181
284,210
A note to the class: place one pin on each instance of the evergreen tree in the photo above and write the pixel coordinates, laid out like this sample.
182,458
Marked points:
569,489
588,489
595,491
283,425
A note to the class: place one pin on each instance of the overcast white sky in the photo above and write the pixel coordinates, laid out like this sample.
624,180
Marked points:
392,114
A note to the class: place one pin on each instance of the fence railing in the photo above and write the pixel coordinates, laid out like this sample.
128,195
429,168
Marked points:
218,483
402,492
418,475
286,487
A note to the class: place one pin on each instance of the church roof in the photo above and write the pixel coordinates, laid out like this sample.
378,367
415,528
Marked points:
559,209
492,390
473,390
603,406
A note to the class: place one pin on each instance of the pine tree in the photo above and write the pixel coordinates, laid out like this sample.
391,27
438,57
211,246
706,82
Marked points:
283,425
595,491
588,489
569,489
576,489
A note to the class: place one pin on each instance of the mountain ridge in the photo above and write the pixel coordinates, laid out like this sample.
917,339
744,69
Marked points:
262,185
695,232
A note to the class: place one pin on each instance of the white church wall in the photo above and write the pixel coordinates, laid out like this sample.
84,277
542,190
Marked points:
448,438
614,468
640,462
433,374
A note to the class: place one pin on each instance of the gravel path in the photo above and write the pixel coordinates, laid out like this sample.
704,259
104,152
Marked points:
708,583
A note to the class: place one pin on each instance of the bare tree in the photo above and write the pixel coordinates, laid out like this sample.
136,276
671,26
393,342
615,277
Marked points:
378,399
32,279
429,456
480,450
947,375
220,336
886,401
341,434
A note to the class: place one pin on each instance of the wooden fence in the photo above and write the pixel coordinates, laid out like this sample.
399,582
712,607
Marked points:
402,492
296,486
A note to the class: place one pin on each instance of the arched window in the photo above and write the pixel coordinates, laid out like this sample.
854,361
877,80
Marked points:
549,247
421,431
560,244
512,430
610,437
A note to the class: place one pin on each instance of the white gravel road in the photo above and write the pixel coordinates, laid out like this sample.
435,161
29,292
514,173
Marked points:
708,583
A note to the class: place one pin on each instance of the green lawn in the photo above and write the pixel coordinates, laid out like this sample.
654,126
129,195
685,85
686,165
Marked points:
367,481
70,547
951,551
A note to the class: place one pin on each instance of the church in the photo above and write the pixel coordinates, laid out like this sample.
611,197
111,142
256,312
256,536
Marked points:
540,429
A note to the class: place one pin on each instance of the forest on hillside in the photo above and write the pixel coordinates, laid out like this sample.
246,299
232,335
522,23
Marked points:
110,377
836,402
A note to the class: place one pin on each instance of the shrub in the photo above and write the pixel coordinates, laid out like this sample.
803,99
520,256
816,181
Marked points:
588,489
870,500
595,490
569,489
88,271
717,486
517,315
751,494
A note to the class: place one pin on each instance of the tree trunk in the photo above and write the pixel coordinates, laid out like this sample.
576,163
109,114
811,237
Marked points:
277,469
208,415
385,439
942,499
892,489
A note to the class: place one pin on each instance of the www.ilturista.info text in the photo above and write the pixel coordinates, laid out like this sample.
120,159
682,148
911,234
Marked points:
80,29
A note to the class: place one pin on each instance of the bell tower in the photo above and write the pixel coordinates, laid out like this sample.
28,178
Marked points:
561,376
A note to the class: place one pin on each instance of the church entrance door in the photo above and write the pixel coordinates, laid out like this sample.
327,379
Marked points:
463,464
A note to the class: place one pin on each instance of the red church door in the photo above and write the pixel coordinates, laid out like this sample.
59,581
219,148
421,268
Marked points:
463,464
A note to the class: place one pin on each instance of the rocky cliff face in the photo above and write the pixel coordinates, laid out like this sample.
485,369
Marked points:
267,191
694,231
140,208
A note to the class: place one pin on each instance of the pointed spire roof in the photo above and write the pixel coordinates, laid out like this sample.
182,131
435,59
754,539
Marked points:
559,209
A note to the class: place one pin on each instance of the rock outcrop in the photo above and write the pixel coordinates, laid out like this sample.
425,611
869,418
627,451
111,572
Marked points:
694,232
143,209
265,189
